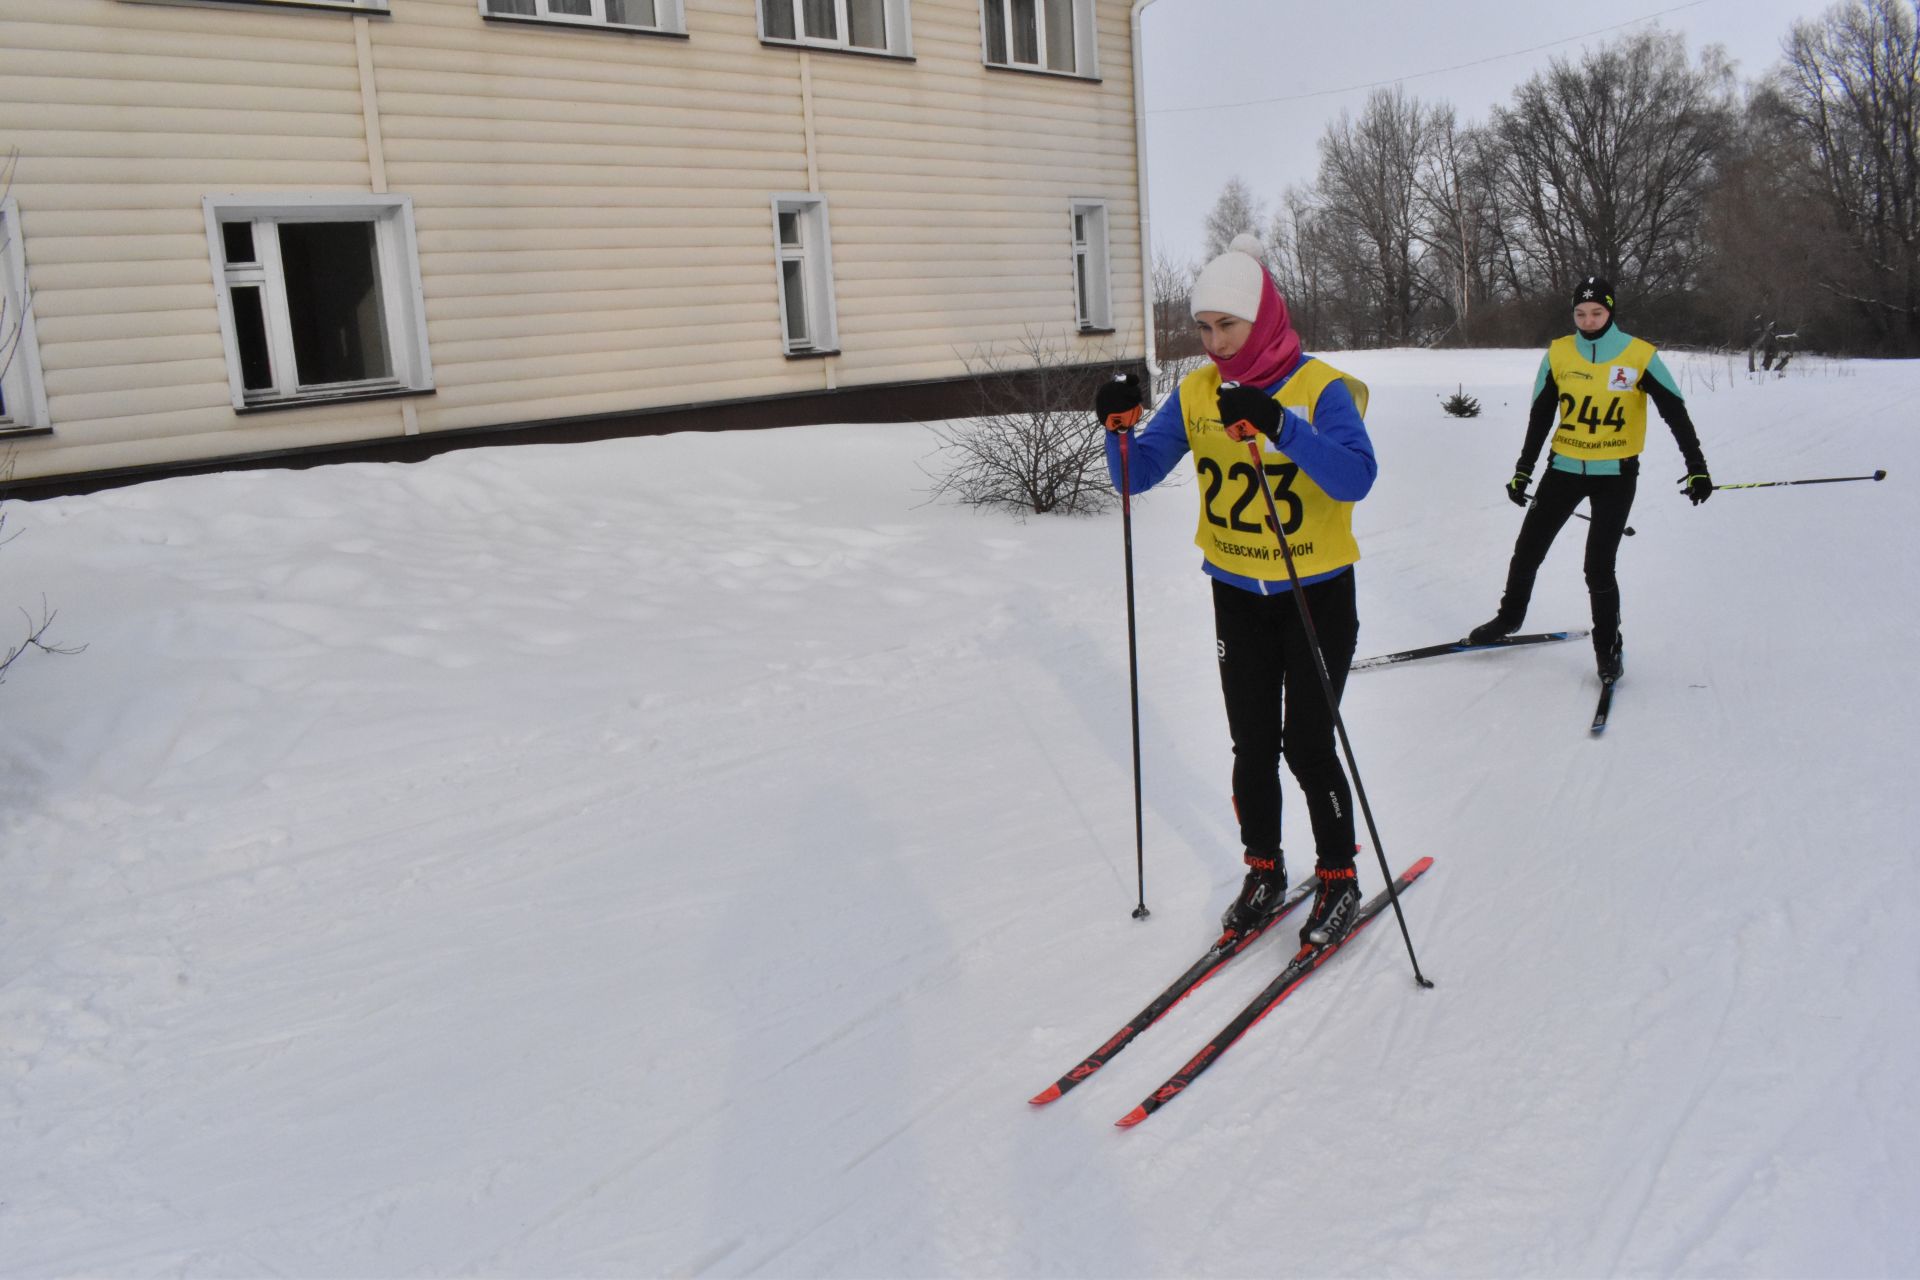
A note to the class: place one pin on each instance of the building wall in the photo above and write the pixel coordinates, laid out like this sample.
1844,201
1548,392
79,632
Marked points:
592,207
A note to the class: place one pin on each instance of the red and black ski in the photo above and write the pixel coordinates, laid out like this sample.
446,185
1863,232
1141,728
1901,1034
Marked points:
1229,946
1302,967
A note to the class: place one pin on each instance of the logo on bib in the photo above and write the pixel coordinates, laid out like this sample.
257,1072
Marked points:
1622,378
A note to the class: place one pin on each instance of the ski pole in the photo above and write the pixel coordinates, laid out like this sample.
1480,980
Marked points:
1244,430
1579,515
1769,484
1125,438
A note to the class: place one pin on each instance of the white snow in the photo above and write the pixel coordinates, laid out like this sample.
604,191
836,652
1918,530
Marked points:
685,856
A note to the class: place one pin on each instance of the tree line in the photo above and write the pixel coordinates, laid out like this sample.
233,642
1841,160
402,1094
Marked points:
1726,213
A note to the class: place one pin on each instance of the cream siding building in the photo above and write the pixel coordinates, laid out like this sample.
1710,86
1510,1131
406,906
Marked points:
261,227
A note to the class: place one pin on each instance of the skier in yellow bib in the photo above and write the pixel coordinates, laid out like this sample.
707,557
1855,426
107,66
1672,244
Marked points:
1591,392
1319,463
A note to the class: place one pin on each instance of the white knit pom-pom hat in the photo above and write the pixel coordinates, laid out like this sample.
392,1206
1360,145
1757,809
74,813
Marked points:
1233,282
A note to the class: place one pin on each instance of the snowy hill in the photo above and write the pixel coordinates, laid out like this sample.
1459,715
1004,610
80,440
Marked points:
685,856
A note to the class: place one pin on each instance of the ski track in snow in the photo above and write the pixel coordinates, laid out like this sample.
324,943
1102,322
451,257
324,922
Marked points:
686,855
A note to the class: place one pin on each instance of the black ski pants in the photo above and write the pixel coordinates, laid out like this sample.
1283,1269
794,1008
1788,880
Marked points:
1276,709
1610,499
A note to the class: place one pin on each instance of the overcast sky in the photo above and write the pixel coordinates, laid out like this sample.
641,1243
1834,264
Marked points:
1300,63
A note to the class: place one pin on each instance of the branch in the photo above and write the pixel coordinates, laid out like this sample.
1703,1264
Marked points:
36,639
1846,296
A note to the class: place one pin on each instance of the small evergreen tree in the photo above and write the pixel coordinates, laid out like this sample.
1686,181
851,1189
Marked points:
1460,404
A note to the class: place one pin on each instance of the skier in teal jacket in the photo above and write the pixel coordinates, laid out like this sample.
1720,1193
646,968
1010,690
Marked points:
1591,393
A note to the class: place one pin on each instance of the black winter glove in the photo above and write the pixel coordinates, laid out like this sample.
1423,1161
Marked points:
1697,487
1117,403
1517,488
1251,406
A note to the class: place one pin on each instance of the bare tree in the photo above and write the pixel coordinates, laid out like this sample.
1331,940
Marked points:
1035,446
1236,211
1459,219
1299,255
1605,164
1771,236
1174,339
1368,188
1851,83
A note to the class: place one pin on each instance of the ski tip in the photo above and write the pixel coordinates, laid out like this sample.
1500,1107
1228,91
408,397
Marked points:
1419,868
1131,1119
1049,1094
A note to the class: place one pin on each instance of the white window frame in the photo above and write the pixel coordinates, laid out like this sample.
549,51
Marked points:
343,6
1087,228
22,387
814,253
894,13
669,16
999,14
398,268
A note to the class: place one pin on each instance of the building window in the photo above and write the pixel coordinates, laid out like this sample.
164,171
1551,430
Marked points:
1040,35
1092,307
872,26
353,6
23,397
319,297
805,263
634,15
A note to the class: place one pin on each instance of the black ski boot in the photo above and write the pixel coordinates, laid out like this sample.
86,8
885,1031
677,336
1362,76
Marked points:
1494,628
1334,907
1609,658
1260,896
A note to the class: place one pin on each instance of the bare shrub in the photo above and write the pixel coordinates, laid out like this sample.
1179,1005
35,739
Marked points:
1035,446
12,324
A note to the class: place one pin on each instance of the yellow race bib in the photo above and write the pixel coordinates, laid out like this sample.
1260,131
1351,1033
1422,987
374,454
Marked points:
1603,414
1234,533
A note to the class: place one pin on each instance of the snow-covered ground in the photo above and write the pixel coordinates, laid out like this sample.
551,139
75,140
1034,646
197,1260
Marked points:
685,856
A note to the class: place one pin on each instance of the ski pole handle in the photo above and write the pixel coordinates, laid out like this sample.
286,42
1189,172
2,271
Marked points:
1118,404
1240,430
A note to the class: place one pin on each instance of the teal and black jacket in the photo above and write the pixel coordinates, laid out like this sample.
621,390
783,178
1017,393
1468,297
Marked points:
1656,382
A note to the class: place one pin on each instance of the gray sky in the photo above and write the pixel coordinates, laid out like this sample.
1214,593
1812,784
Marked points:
1203,57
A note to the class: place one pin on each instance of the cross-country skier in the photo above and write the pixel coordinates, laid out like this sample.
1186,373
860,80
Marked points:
1318,464
1595,384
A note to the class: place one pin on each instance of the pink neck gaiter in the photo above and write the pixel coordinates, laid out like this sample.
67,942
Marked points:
1271,349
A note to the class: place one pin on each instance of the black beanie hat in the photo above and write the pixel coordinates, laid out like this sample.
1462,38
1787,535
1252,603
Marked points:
1594,289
